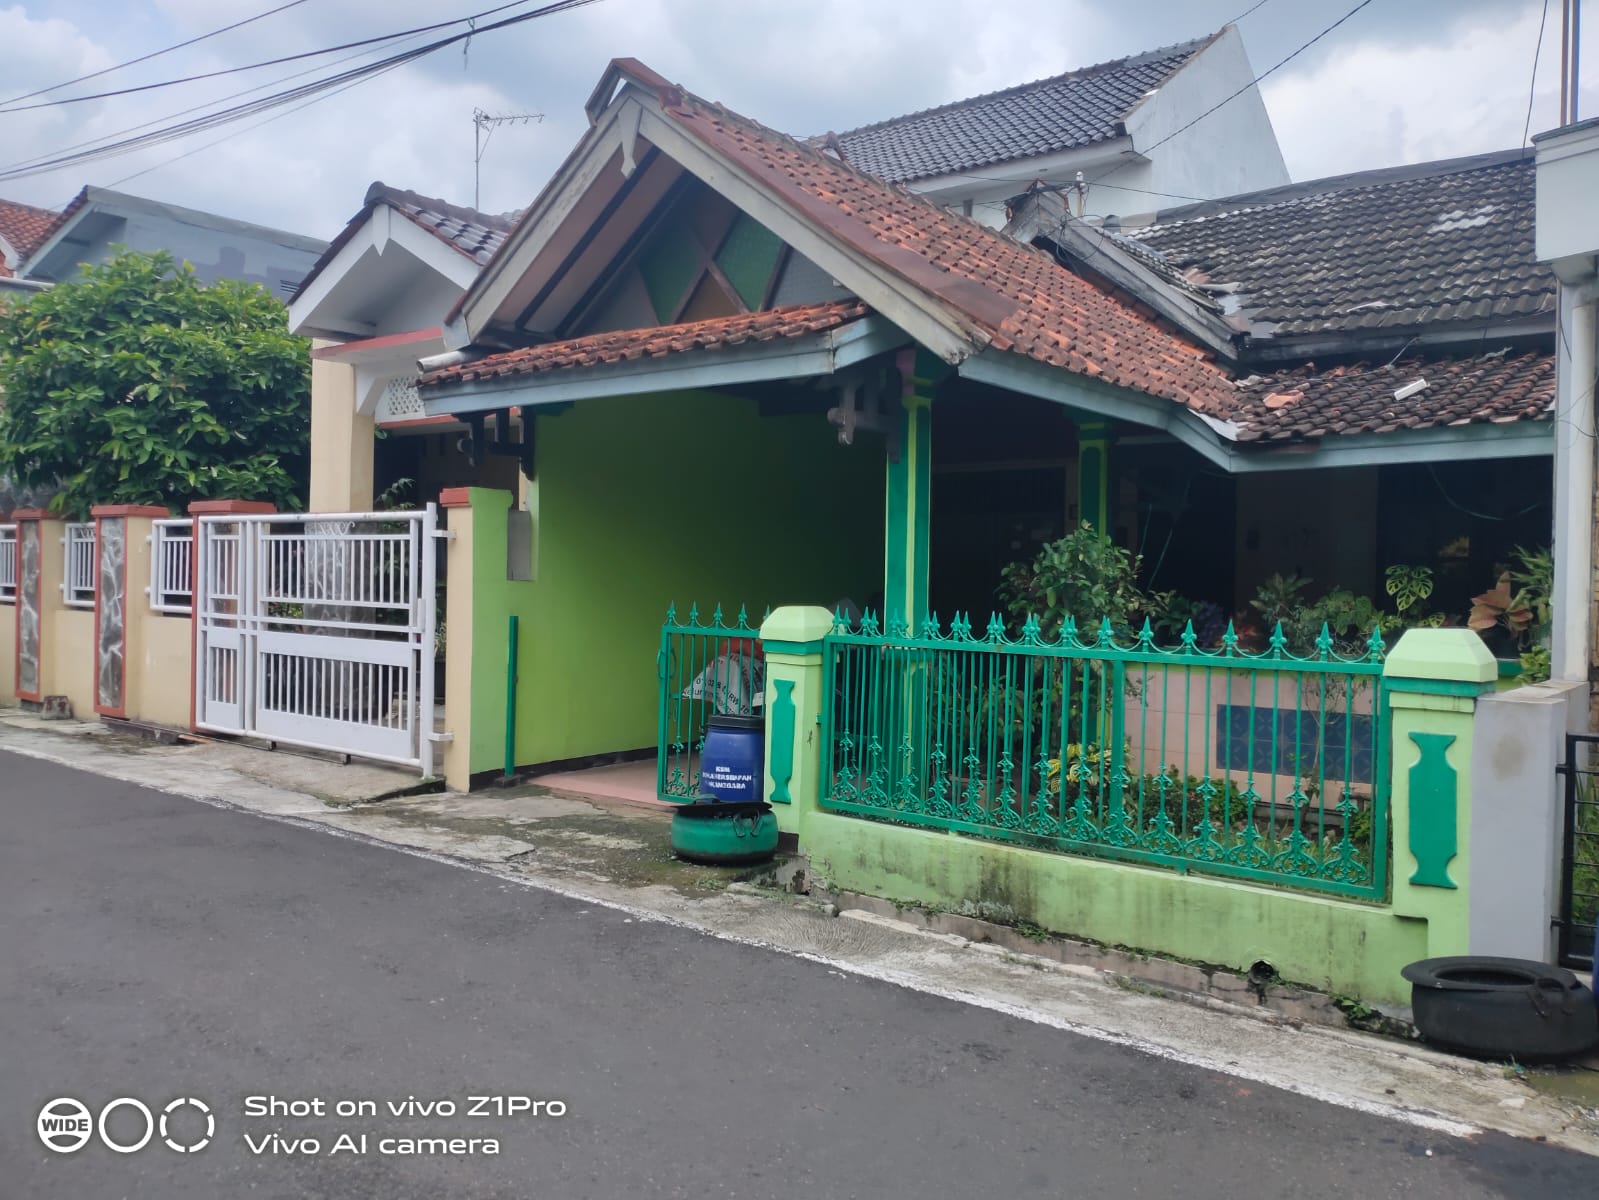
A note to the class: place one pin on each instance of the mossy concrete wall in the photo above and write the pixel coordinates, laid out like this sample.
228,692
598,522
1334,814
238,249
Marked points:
1433,678
1334,945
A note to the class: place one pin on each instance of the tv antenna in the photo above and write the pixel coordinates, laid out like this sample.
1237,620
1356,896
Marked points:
483,126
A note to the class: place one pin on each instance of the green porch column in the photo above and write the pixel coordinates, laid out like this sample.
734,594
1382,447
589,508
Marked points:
1093,475
1433,678
908,502
792,641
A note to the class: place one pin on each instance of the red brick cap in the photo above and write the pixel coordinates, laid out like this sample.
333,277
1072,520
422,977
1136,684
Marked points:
33,514
457,497
207,508
130,510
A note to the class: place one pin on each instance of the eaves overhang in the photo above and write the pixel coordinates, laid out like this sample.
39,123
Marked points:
1216,438
808,356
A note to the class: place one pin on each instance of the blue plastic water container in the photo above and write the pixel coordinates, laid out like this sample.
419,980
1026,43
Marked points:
733,763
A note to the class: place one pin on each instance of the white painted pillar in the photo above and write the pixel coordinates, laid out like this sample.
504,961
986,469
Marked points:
1573,487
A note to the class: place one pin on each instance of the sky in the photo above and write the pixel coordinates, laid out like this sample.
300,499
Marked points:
1401,81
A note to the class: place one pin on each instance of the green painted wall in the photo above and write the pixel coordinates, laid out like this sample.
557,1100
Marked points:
1334,945
673,498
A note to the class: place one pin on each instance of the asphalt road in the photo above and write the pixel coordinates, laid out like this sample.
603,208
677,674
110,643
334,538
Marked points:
153,948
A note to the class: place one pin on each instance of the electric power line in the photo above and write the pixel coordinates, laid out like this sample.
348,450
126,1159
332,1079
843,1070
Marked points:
278,99
275,62
1247,11
133,62
1144,150
107,138
1532,85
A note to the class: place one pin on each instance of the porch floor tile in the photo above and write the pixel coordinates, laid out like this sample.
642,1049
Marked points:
633,782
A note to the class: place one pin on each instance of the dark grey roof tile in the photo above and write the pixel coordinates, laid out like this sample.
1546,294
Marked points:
1078,108
1394,249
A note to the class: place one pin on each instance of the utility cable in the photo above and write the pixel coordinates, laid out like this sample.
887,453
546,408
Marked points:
107,138
133,62
1532,85
274,62
287,97
1255,82
1247,11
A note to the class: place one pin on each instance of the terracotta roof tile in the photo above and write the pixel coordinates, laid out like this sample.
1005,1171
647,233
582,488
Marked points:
1014,296
596,349
23,226
1306,404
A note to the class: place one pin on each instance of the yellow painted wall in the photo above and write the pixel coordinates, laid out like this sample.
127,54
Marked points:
8,654
341,442
68,653
159,670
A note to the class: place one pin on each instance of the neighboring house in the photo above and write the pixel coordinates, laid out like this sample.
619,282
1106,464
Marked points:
1130,128
1396,324
374,301
98,219
22,227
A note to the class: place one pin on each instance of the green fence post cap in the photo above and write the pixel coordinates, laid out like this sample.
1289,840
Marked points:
1456,655
797,623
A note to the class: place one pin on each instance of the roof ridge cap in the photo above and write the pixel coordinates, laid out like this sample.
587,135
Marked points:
1188,49
380,191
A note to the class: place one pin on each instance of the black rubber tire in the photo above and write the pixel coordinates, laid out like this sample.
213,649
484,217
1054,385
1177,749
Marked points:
1502,1007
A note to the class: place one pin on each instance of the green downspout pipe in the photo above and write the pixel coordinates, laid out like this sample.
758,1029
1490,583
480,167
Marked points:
510,699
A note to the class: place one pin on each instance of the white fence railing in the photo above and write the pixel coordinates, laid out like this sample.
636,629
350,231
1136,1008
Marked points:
318,630
77,576
171,567
8,563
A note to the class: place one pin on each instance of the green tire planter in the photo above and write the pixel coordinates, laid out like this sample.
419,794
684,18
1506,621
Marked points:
722,834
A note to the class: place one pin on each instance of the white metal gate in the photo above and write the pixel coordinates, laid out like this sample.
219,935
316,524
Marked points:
317,630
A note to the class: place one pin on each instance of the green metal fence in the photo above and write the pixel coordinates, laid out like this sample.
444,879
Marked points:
703,669
1260,765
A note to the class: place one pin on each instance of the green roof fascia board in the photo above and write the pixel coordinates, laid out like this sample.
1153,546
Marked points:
756,362
1210,438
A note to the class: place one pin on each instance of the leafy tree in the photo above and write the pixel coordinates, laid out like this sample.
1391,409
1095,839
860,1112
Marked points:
134,383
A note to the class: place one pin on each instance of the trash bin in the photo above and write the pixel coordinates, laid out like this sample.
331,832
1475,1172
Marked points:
733,762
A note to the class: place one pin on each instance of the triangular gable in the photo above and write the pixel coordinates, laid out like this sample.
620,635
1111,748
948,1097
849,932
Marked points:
699,258
394,267
952,285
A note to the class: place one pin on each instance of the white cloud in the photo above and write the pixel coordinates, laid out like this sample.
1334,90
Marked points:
1380,102
1429,79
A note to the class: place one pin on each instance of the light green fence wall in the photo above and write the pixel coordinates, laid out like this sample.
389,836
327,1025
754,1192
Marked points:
1353,946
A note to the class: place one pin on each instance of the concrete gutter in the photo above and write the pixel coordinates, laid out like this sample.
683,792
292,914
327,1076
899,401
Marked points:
618,857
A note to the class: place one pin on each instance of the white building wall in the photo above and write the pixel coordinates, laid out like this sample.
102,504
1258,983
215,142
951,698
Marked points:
1231,151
